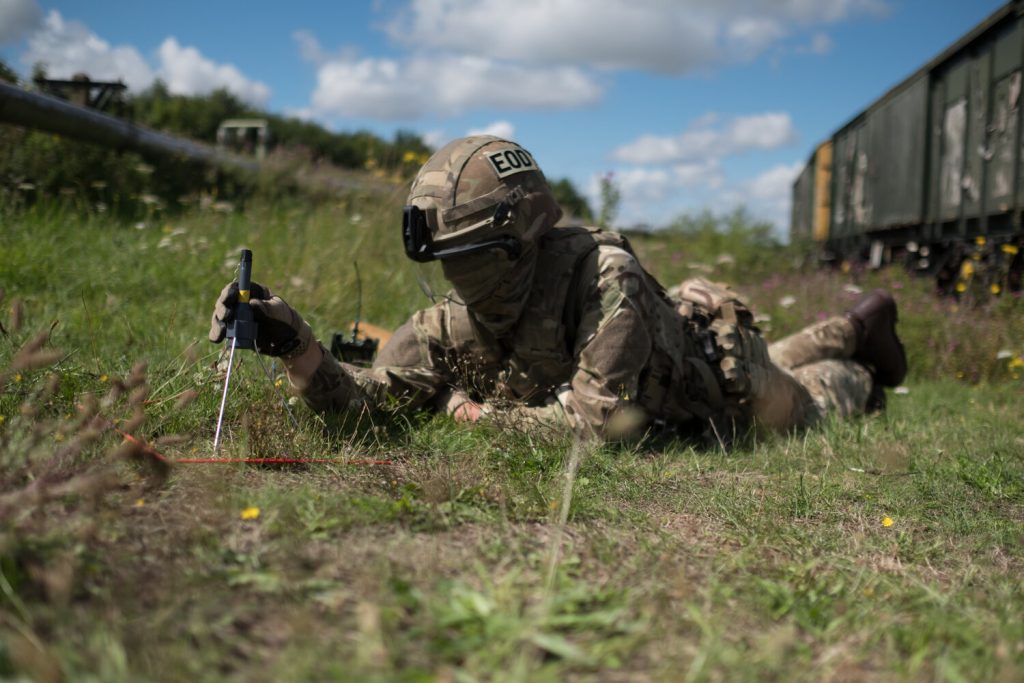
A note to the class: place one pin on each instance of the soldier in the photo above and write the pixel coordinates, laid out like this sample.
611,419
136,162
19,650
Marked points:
563,327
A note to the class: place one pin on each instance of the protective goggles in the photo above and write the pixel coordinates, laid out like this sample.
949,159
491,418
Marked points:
419,242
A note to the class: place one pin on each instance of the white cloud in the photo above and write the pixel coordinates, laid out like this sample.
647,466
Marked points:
706,174
434,138
821,44
446,85
769,195
69,47
187,71
309,47
775,184
500,129
17,19
706,140
666,36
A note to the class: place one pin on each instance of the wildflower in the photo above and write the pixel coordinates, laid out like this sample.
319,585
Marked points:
279,382
995,288
2,418
140,503
1010,249
58,437
250,513
104,379
852,289
980,241
787,301
901,390
1003,354
887,522
18,378
961,287
1015,363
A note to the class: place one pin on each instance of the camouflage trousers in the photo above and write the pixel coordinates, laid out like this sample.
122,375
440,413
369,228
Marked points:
811,376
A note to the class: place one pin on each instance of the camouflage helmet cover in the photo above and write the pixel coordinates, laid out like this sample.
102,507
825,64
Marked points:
481,187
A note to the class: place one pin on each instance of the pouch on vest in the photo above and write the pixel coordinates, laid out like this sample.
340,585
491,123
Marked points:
725,325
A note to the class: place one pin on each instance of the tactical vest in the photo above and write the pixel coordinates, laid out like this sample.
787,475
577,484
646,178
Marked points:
678,383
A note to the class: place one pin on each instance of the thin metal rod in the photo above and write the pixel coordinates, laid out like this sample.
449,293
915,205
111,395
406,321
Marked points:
284,401
224,397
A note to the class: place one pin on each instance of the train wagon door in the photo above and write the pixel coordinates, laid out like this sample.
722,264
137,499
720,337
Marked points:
1004,122
954,139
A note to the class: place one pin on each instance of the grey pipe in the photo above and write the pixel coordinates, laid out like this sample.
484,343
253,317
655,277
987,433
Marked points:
53,115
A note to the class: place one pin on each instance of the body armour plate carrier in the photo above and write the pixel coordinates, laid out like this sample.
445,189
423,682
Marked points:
678,383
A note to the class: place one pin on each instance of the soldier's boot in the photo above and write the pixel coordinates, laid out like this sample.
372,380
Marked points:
874,319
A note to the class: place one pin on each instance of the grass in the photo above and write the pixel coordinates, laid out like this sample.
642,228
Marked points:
451,561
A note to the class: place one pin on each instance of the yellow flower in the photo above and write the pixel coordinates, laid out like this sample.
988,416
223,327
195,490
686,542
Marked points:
980,241
17,378
1017,362
887,521
58,437
250,513
961,287
279,382
995,288
2,418
967,268
409,156
1010,249
104,378
140,503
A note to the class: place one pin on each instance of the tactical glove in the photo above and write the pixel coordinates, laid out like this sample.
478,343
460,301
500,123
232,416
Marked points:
281,331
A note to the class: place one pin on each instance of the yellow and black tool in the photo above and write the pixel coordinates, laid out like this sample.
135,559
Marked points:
241,331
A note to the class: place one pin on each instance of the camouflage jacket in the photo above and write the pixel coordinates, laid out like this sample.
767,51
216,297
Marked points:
599,348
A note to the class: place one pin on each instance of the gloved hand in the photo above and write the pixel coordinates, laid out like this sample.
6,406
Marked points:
281,331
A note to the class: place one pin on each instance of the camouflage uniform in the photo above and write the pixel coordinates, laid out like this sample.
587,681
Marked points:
602,349
562,326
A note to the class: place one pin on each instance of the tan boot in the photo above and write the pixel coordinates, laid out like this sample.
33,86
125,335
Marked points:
874,318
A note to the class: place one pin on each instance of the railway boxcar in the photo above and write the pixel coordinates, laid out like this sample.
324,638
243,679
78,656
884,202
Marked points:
932,170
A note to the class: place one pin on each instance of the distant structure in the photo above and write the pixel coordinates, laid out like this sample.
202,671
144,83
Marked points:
931,173
105,96
249,136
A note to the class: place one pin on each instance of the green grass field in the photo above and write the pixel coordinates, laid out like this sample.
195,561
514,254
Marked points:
885,548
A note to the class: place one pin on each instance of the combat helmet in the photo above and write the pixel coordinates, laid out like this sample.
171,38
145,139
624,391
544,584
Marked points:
475,194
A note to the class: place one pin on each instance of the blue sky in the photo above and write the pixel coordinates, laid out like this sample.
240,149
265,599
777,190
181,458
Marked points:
692,104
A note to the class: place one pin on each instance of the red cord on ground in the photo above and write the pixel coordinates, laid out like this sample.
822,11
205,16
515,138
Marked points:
251,461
